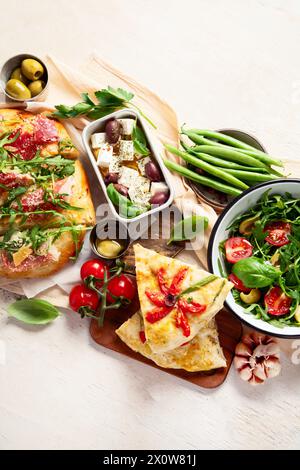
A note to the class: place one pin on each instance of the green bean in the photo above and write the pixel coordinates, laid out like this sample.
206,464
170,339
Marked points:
255,153
222,138
232,155
207,167
199,139
204,180
250,176
218,161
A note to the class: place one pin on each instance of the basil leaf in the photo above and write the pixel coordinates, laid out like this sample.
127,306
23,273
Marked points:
188,228
33,311
125,206
139,141
255,273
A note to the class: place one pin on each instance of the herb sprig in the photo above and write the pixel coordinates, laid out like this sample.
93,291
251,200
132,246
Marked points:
109,100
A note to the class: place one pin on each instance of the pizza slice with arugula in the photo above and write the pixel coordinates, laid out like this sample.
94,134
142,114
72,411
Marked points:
43,187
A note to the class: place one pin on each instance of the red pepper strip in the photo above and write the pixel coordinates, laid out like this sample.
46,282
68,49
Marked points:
158,314
142,336
191,307
177,280
182,322
156,298
161,282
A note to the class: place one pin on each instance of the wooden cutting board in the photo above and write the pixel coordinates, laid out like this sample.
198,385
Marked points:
230,331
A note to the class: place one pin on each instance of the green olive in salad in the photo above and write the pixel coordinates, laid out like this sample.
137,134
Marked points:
262,259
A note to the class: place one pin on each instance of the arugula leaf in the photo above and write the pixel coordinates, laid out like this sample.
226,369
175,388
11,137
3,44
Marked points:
33,311
199,284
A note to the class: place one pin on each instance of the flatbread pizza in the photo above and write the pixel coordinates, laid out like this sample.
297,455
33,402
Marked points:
177,299
202,353
45,200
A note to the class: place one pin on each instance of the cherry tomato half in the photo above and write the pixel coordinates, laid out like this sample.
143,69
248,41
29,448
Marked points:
277,302
238,284
278,233
82,296
121,286
237,248
94,267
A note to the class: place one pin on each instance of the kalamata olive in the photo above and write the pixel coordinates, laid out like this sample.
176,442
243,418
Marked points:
111,178
121,189
153,172
113,131
159,198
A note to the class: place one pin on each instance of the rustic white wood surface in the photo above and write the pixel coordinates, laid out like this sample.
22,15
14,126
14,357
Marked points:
225,63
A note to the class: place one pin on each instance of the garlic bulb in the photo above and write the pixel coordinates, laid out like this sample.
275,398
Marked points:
257,358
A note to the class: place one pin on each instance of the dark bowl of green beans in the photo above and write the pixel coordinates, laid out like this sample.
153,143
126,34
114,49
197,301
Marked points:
220,165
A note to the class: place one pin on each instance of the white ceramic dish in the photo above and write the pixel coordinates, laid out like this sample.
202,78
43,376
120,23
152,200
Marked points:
98,126
237,207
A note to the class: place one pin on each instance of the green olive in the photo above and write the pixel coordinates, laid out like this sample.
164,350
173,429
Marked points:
17,89
247,225
252,297
17,74
36,87
32,69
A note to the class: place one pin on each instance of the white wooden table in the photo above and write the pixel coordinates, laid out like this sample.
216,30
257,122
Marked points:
225,63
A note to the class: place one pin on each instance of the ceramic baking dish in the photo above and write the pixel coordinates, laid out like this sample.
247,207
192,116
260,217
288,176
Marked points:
98,126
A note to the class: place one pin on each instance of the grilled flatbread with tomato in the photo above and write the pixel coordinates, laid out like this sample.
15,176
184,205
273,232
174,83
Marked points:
35,132
177,299
38,252
202,353
65,200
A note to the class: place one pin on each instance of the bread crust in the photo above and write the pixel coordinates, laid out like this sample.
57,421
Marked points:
66,248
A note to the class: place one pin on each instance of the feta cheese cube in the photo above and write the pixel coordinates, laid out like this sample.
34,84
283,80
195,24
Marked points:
127,126
139,191
126,150
139,197
104,155
128,176
159,188
114,166
98,139
142,163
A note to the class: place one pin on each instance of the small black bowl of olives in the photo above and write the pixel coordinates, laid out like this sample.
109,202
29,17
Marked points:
24,77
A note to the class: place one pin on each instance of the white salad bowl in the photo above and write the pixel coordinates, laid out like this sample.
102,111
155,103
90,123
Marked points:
220,233
98,126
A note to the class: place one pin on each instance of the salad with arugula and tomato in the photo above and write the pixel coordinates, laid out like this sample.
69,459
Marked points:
262,259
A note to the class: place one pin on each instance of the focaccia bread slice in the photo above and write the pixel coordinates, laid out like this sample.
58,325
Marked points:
38,252
36,132
202,353
174,322
70,192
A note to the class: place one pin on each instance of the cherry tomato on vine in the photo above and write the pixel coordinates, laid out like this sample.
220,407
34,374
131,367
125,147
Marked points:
121,286
94,267
237,248
278,233
277,302
81,296
238,284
